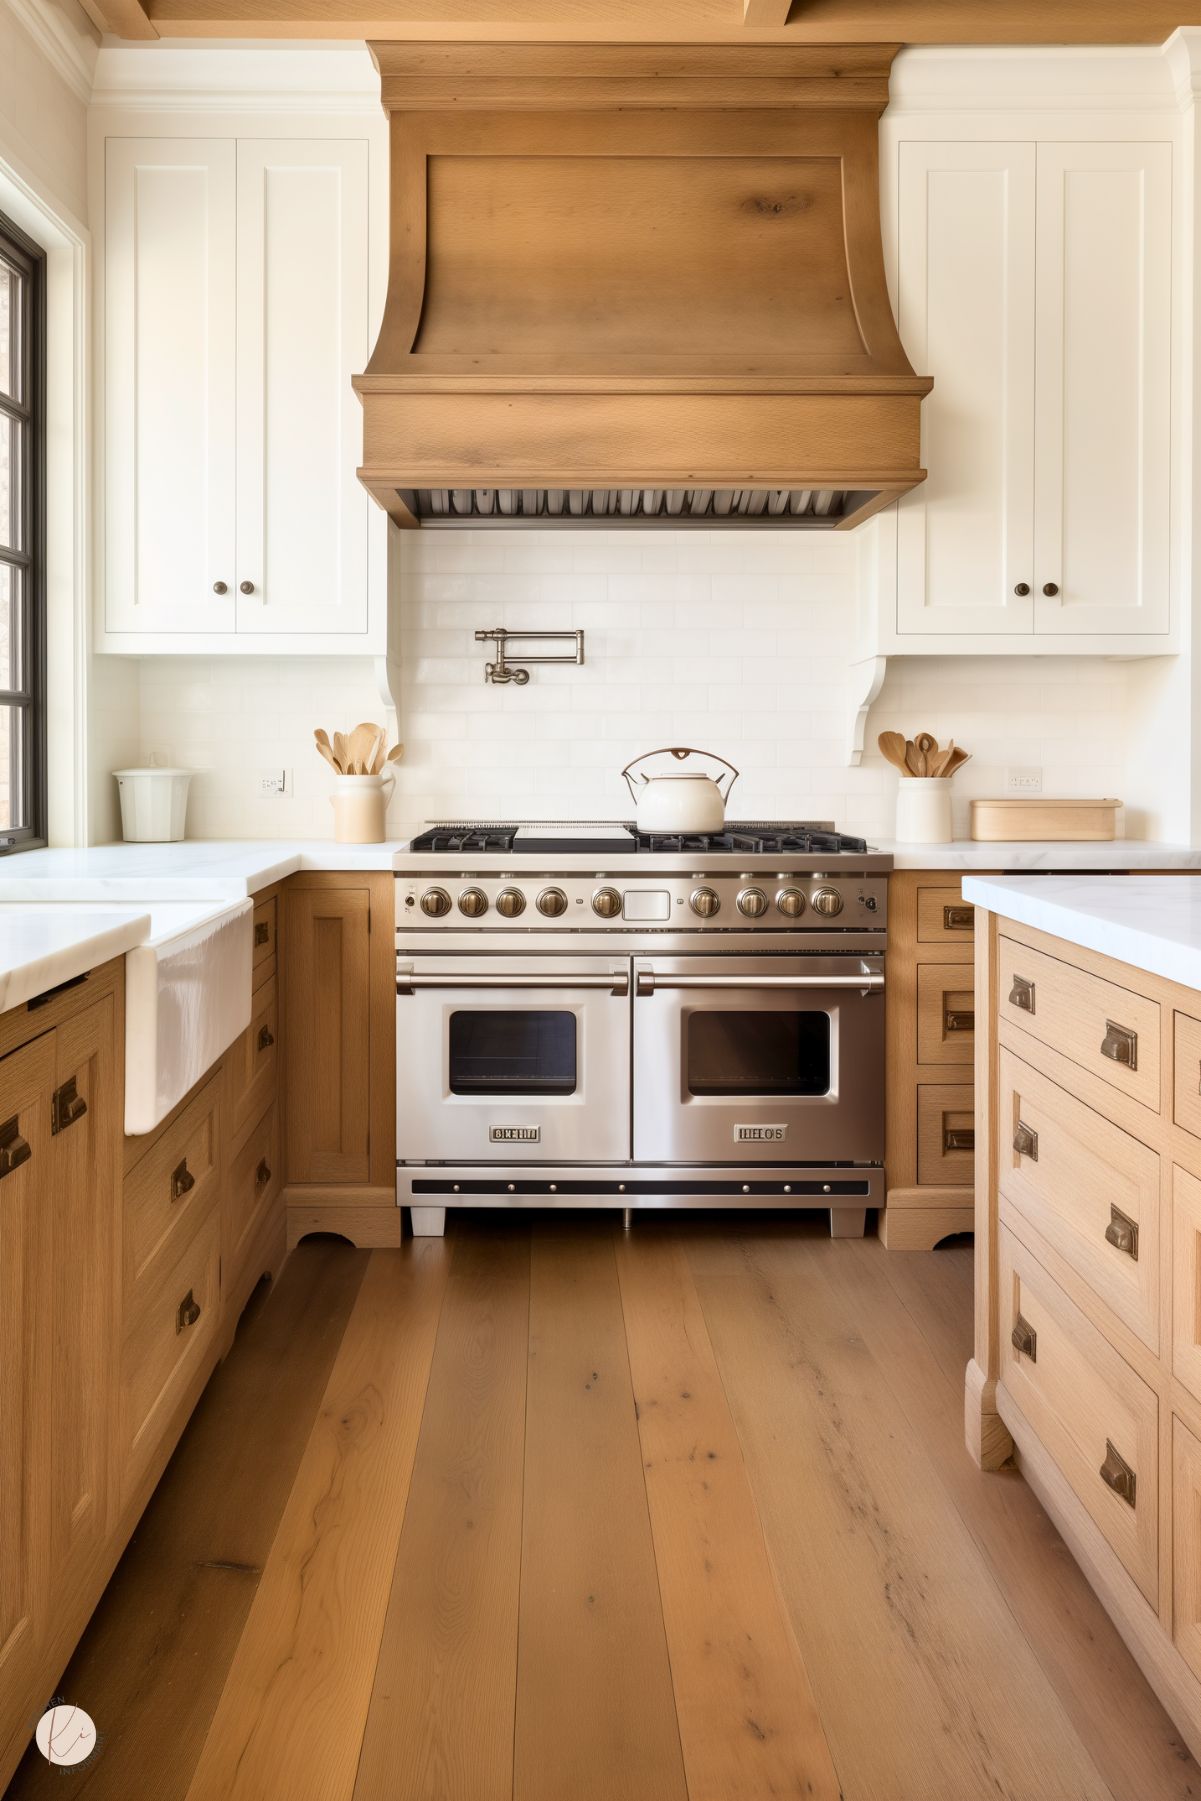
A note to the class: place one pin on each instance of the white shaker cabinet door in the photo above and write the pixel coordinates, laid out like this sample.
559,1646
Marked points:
1103,398
965,295
302,334
169,385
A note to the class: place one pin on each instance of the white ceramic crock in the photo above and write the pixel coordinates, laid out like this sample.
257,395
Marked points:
679,800
360,804
924,809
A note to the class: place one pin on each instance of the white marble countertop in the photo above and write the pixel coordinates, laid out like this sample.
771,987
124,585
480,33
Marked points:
965,853
197,869
43,946
1150,922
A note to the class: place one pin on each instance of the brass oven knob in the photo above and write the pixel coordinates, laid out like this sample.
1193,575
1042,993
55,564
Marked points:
827,902
552,902
752,902
435,902
606,903
704,902
510,902
473,902
791,902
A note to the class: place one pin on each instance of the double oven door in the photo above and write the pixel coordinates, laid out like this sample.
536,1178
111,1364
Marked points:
595,1059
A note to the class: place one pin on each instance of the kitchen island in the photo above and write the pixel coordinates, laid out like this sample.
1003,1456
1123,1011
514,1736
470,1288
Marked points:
1087,1355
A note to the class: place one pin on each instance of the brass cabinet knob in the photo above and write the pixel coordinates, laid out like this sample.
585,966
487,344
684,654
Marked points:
266,1038
188,1312
1122,1232
1025,1142
1050,589
245,587
1021,995
1117,1474
1022,589
14,1149
220,587
1120,1045
262,1176
1024,1339
182,1181
262,932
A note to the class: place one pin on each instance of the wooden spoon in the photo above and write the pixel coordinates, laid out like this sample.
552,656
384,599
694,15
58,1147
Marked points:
958,759
342,752
892,747
925,746
321,738
938,764
911,758
395,754
361,745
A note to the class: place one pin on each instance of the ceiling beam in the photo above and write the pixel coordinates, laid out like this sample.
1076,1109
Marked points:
120,19
661,21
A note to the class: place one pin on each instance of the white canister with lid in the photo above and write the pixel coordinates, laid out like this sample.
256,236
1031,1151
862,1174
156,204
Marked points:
924,810
154,804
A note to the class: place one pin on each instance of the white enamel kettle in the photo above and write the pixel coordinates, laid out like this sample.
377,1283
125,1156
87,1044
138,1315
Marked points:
680,800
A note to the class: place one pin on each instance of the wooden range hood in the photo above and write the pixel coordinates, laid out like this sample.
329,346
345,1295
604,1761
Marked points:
637,284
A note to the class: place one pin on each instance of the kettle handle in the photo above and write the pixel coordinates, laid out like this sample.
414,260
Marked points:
679,752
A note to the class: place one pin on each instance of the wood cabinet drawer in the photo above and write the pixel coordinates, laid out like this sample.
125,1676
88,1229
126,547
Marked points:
946,1013
1186,1545
166,1347
1186,1279
946,1133
265,929
943,916
167,1194
1087,1186
1096,1418
255,1178
1108,1030
251,1062
1186,1072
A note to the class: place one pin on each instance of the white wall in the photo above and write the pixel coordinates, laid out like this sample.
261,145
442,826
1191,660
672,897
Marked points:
737,642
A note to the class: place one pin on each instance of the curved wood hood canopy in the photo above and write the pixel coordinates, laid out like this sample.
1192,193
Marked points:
637,283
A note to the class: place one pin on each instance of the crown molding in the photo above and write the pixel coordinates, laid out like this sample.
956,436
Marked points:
63,49
1182,53
176,76
1035,79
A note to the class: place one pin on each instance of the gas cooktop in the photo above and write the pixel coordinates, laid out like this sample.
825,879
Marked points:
570,837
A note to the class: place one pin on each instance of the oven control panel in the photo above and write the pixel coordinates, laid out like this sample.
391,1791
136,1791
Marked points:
777,901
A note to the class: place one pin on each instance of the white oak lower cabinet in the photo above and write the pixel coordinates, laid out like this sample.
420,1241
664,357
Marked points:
124,1265
1087,1363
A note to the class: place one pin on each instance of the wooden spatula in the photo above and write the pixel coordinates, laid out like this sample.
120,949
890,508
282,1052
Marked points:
361,746
321,738
926,747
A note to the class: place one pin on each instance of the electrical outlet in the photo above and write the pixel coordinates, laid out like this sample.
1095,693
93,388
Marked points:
273,784
1023,781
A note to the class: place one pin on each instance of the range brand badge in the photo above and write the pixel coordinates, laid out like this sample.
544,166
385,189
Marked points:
514,1134
760,1134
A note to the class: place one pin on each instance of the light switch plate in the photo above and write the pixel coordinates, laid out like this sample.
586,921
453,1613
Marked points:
273,784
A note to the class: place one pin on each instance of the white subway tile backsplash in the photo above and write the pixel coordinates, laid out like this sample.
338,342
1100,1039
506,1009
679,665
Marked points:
740,643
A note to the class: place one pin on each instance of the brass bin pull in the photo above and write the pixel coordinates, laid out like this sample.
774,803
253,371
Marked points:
66,1106
959,1020
1120,1045
1117,1474
182,1181
14,1150
188,1312
1021,995
961,1138
262,932
958,919
1122,1232
262,1176
266,1038
1025,1142
1024,1339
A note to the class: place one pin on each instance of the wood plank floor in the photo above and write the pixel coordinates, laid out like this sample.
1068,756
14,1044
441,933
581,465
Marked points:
551,1513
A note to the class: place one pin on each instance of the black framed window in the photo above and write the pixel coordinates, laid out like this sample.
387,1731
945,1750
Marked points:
22,541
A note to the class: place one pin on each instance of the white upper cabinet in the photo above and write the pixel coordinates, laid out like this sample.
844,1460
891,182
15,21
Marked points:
1034,283
302,333
1102,408
236,312
966,314
169,386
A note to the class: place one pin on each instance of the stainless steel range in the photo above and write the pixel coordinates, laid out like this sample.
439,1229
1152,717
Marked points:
588,1016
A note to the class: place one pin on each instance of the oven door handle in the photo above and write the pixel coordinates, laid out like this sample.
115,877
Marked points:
617,981
866,982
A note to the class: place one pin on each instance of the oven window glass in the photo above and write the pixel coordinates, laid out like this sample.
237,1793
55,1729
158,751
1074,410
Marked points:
757,1053
512,1053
